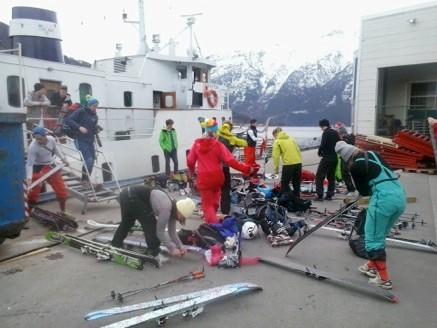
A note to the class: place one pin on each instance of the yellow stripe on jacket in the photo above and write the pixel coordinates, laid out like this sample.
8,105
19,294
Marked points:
286,148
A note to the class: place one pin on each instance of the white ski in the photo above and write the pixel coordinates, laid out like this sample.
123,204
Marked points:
187,305
159,302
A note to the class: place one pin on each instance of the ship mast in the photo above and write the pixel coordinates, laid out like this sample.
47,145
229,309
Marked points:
190,22
140,24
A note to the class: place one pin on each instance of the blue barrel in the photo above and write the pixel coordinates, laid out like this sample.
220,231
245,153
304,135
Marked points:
12,174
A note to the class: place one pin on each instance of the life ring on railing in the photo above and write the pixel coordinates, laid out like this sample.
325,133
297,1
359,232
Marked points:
211,97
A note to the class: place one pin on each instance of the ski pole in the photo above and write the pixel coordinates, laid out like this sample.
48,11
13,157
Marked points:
191,276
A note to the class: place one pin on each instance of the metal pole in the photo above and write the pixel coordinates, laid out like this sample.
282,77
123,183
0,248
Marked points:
20,83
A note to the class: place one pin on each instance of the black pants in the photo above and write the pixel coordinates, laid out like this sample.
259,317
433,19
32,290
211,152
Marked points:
326,169
291,173
225,199
173,155
133,209
346,176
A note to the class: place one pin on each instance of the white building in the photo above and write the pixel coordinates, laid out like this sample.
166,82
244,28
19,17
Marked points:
395,76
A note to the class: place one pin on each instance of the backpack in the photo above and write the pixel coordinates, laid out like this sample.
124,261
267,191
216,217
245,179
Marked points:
62,128
356,238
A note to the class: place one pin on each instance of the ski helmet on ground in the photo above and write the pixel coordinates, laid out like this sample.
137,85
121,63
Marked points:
249,230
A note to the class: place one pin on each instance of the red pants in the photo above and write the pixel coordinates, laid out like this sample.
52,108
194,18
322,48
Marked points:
210,203
55,181
249,155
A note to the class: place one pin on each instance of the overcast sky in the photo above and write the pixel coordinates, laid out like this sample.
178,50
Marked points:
298,31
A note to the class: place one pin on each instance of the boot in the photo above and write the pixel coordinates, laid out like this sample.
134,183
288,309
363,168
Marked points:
377,281
367,270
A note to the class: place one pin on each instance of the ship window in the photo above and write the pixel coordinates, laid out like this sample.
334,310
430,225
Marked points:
128,98
14,90
182,72
84,90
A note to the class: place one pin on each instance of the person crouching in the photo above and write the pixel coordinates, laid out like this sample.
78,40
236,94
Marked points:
156,211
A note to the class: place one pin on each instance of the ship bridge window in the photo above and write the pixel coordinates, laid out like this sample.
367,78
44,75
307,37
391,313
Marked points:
182,72
13,89
127,95
84,90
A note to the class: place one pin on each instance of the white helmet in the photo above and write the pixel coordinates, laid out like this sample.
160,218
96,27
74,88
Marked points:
249,230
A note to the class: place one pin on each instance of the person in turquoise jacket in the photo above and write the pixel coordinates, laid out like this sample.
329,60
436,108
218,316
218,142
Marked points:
372,177
169,144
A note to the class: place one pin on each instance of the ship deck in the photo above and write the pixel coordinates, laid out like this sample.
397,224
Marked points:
57,287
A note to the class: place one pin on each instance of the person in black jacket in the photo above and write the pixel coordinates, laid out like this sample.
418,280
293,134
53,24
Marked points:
328,162
84,122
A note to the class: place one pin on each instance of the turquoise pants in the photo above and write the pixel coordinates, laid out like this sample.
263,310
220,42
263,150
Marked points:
385,207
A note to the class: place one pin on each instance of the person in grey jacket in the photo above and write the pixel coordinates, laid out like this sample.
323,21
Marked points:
156,211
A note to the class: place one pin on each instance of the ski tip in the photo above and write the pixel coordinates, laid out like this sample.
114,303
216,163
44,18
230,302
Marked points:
394,299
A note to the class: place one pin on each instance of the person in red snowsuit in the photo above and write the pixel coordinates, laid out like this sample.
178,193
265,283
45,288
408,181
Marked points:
206,159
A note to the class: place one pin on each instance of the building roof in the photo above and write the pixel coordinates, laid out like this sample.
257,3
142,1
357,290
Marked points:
403,10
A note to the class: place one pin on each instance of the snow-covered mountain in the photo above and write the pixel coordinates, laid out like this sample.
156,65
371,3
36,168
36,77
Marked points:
299,96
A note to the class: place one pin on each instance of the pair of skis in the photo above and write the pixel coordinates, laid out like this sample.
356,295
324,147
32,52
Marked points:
104,252
191,304
96,224
56,221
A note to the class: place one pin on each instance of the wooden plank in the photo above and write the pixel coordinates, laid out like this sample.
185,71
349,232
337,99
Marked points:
417,170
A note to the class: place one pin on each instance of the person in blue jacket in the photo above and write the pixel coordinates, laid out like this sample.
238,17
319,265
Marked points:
372,177
84,122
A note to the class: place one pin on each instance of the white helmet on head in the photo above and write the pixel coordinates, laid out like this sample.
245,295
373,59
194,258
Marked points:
249,230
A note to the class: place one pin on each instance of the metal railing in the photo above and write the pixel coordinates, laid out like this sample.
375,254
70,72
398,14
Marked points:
72,153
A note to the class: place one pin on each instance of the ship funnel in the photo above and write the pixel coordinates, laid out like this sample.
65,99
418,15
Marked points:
38,32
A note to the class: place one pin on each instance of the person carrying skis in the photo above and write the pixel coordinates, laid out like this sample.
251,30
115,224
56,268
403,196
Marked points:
156,211
373,177
286,148
228,139
206,158
40,160
328,163
169,144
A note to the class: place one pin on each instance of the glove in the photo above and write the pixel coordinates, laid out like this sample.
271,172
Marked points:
243,168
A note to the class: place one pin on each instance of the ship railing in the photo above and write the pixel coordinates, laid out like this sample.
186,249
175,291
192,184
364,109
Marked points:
66,147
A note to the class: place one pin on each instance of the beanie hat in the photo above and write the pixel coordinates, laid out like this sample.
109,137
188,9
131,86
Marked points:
324,122
39,131
38,86
211,125
185,207
252,121
92,102
345,150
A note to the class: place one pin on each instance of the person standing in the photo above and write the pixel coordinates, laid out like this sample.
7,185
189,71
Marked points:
156,211
349,138
227,138
84,122
40,160
169,144
206,158
37,102
373,177
328,163
252,138
61,98
286,148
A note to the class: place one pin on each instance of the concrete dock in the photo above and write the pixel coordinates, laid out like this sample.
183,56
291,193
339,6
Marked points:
58,286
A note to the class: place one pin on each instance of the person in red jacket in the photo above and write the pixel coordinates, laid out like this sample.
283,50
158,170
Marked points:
206,159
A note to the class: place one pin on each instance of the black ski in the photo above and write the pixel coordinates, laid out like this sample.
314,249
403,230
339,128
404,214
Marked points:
323,223
56,221
321,275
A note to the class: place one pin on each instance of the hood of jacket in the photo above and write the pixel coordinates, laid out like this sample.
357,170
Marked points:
205,144
282,135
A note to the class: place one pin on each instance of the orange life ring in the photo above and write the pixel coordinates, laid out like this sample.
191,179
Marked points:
212,98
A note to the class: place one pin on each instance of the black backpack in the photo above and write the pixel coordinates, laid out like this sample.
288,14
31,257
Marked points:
356,238
293,203
62,128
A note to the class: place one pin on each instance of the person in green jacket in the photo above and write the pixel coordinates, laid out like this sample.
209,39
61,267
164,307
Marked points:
227,138
169,144
286,148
